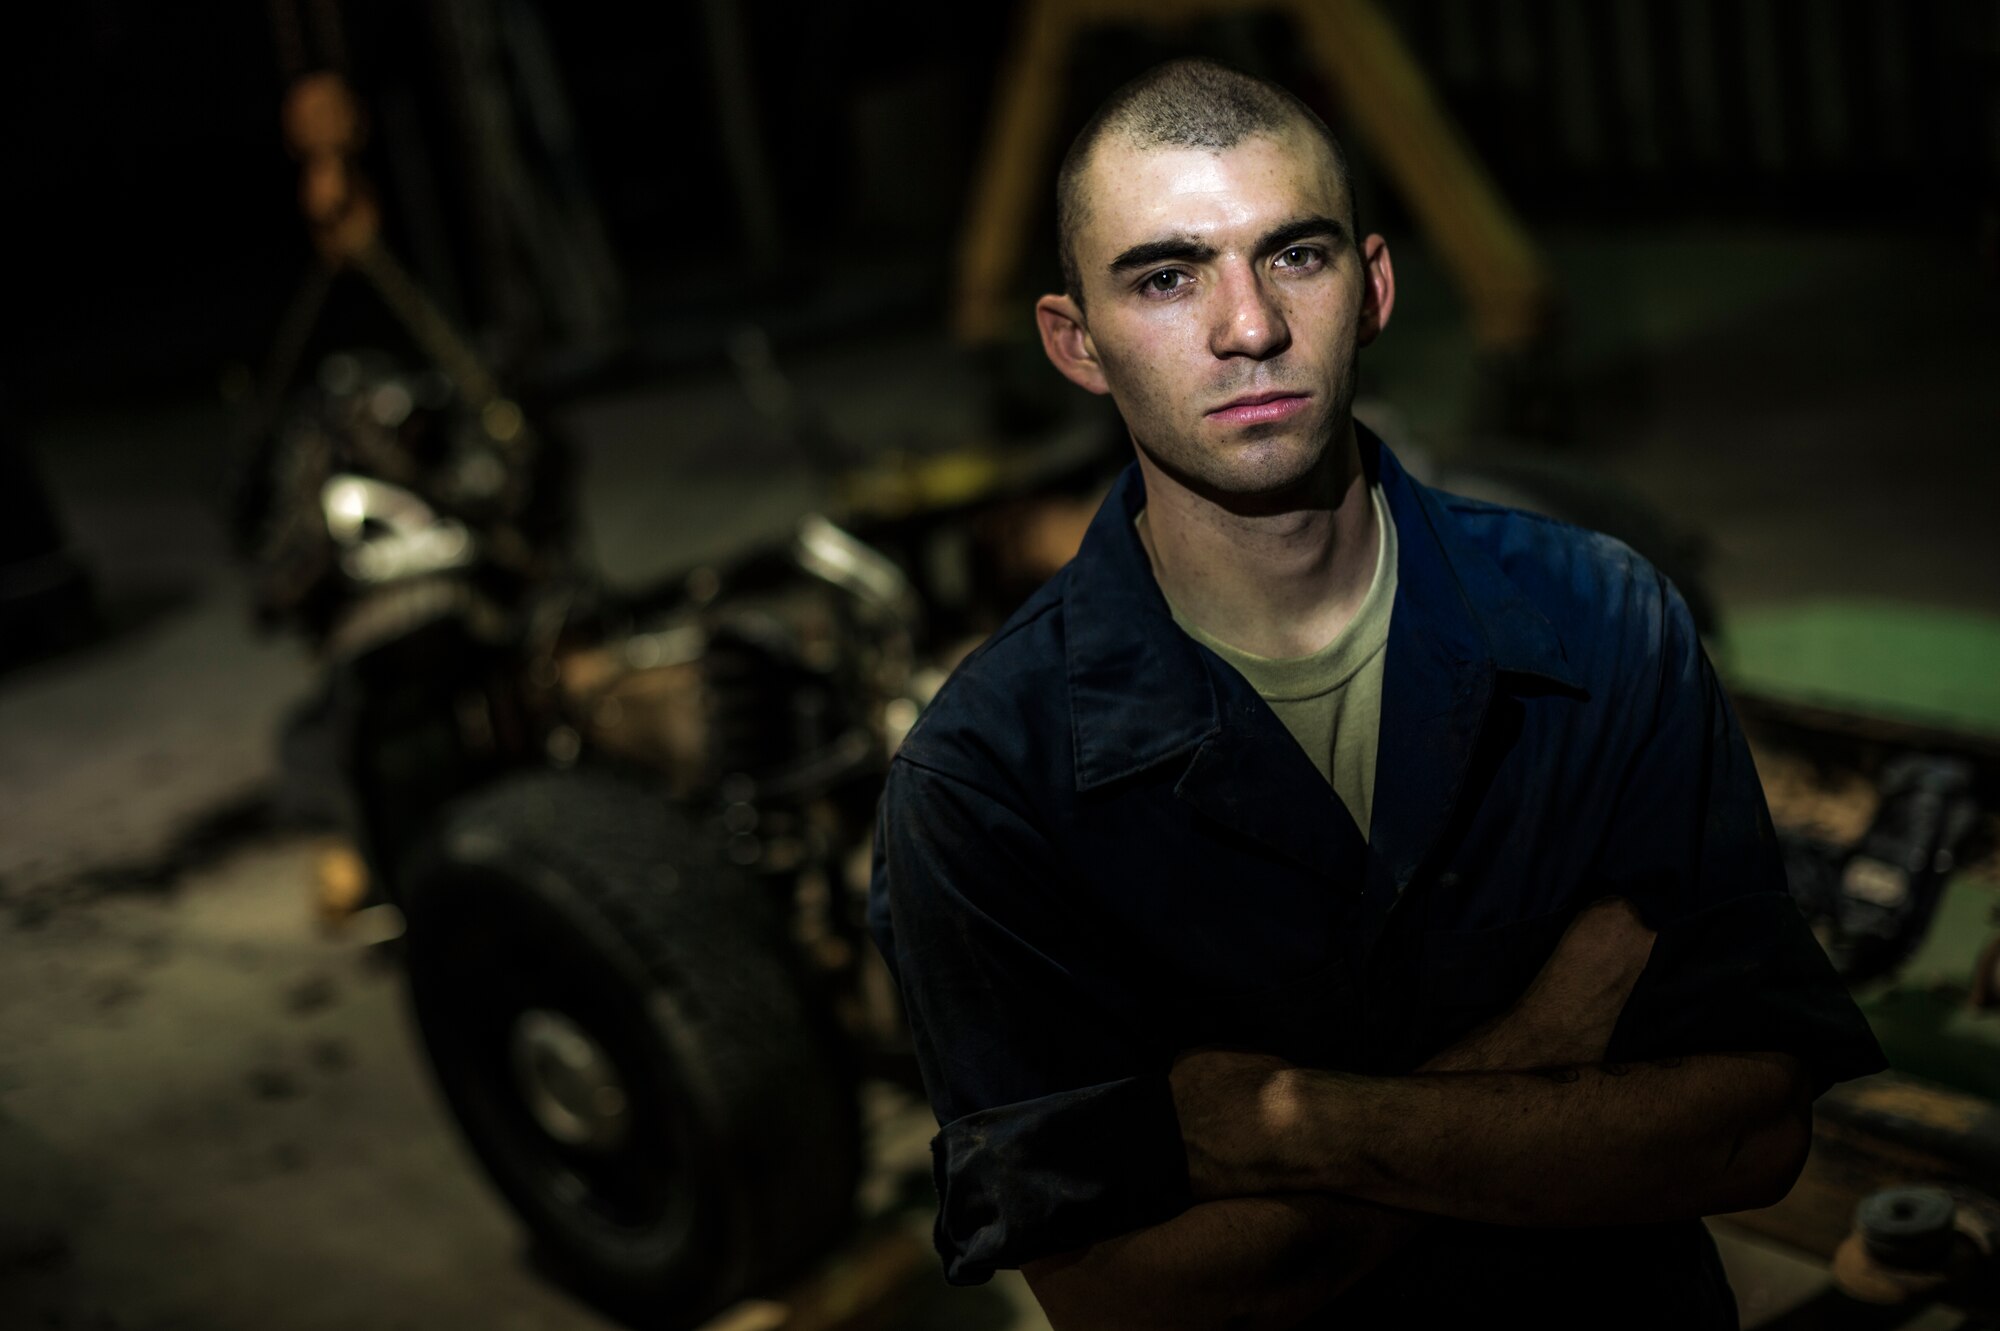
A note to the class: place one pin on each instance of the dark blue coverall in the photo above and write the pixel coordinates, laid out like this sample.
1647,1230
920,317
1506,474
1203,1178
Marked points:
1099,847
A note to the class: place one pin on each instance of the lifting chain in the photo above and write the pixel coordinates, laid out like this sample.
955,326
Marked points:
325,129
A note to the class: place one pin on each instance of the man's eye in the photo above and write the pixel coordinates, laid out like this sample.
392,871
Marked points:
1167,279
1299,256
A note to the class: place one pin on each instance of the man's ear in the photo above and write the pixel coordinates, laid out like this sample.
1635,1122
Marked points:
1067,343
1378,288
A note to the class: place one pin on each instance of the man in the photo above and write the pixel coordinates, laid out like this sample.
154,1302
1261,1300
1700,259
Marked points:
1268,895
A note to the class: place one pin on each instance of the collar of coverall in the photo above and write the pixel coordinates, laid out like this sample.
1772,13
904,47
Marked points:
1140,690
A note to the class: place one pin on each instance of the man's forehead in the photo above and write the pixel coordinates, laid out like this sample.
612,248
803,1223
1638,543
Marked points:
1136,190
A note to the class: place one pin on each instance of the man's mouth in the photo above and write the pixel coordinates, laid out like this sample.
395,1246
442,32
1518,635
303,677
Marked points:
1257,408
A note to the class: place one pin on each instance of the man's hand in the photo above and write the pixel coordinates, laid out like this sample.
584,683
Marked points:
1270,1259
1569,1010
1692,1136
1243,1115
1237,1113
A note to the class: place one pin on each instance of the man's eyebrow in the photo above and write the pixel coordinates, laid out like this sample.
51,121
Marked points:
1185,248
1304,228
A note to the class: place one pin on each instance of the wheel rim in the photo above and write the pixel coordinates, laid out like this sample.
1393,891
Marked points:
552,1077
569,1083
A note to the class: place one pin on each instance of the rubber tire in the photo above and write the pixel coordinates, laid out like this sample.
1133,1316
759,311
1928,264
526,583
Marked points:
598,898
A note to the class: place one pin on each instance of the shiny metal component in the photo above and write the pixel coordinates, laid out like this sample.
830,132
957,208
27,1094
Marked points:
387,533
1909,1228
1875,882
846,562
665,647
569,1083
1920,1245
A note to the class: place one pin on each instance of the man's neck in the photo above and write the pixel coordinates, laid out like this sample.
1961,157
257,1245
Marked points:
1279,583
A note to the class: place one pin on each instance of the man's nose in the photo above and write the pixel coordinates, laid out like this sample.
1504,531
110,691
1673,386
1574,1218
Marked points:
1249,321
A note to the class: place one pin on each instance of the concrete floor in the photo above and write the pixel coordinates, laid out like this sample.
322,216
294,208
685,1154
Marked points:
212,1115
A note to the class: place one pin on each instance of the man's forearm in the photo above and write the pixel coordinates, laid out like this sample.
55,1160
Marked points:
1474,1136
1249,1263
1598,1144
1256,1262
1238,1262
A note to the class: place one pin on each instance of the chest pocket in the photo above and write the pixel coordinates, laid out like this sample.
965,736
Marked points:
1466,977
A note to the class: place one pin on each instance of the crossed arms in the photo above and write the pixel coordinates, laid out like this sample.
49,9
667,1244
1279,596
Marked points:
1306,1180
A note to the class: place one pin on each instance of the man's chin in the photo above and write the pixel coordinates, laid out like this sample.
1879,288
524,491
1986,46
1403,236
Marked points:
1269,475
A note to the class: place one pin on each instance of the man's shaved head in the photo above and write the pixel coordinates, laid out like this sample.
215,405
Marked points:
1182,104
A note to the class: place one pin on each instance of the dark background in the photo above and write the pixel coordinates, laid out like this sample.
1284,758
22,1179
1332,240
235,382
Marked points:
1775,224
156,234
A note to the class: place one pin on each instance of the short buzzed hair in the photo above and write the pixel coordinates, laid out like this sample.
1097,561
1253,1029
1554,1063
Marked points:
1182,104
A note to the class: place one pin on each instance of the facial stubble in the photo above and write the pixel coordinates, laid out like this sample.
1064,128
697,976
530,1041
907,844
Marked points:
1266,487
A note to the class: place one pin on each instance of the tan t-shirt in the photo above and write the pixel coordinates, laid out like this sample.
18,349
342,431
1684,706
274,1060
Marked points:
1331,701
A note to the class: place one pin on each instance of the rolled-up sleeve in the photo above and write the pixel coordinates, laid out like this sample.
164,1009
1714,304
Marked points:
1057,1127
1690,841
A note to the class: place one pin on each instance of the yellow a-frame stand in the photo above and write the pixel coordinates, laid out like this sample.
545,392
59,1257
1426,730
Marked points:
1384,95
